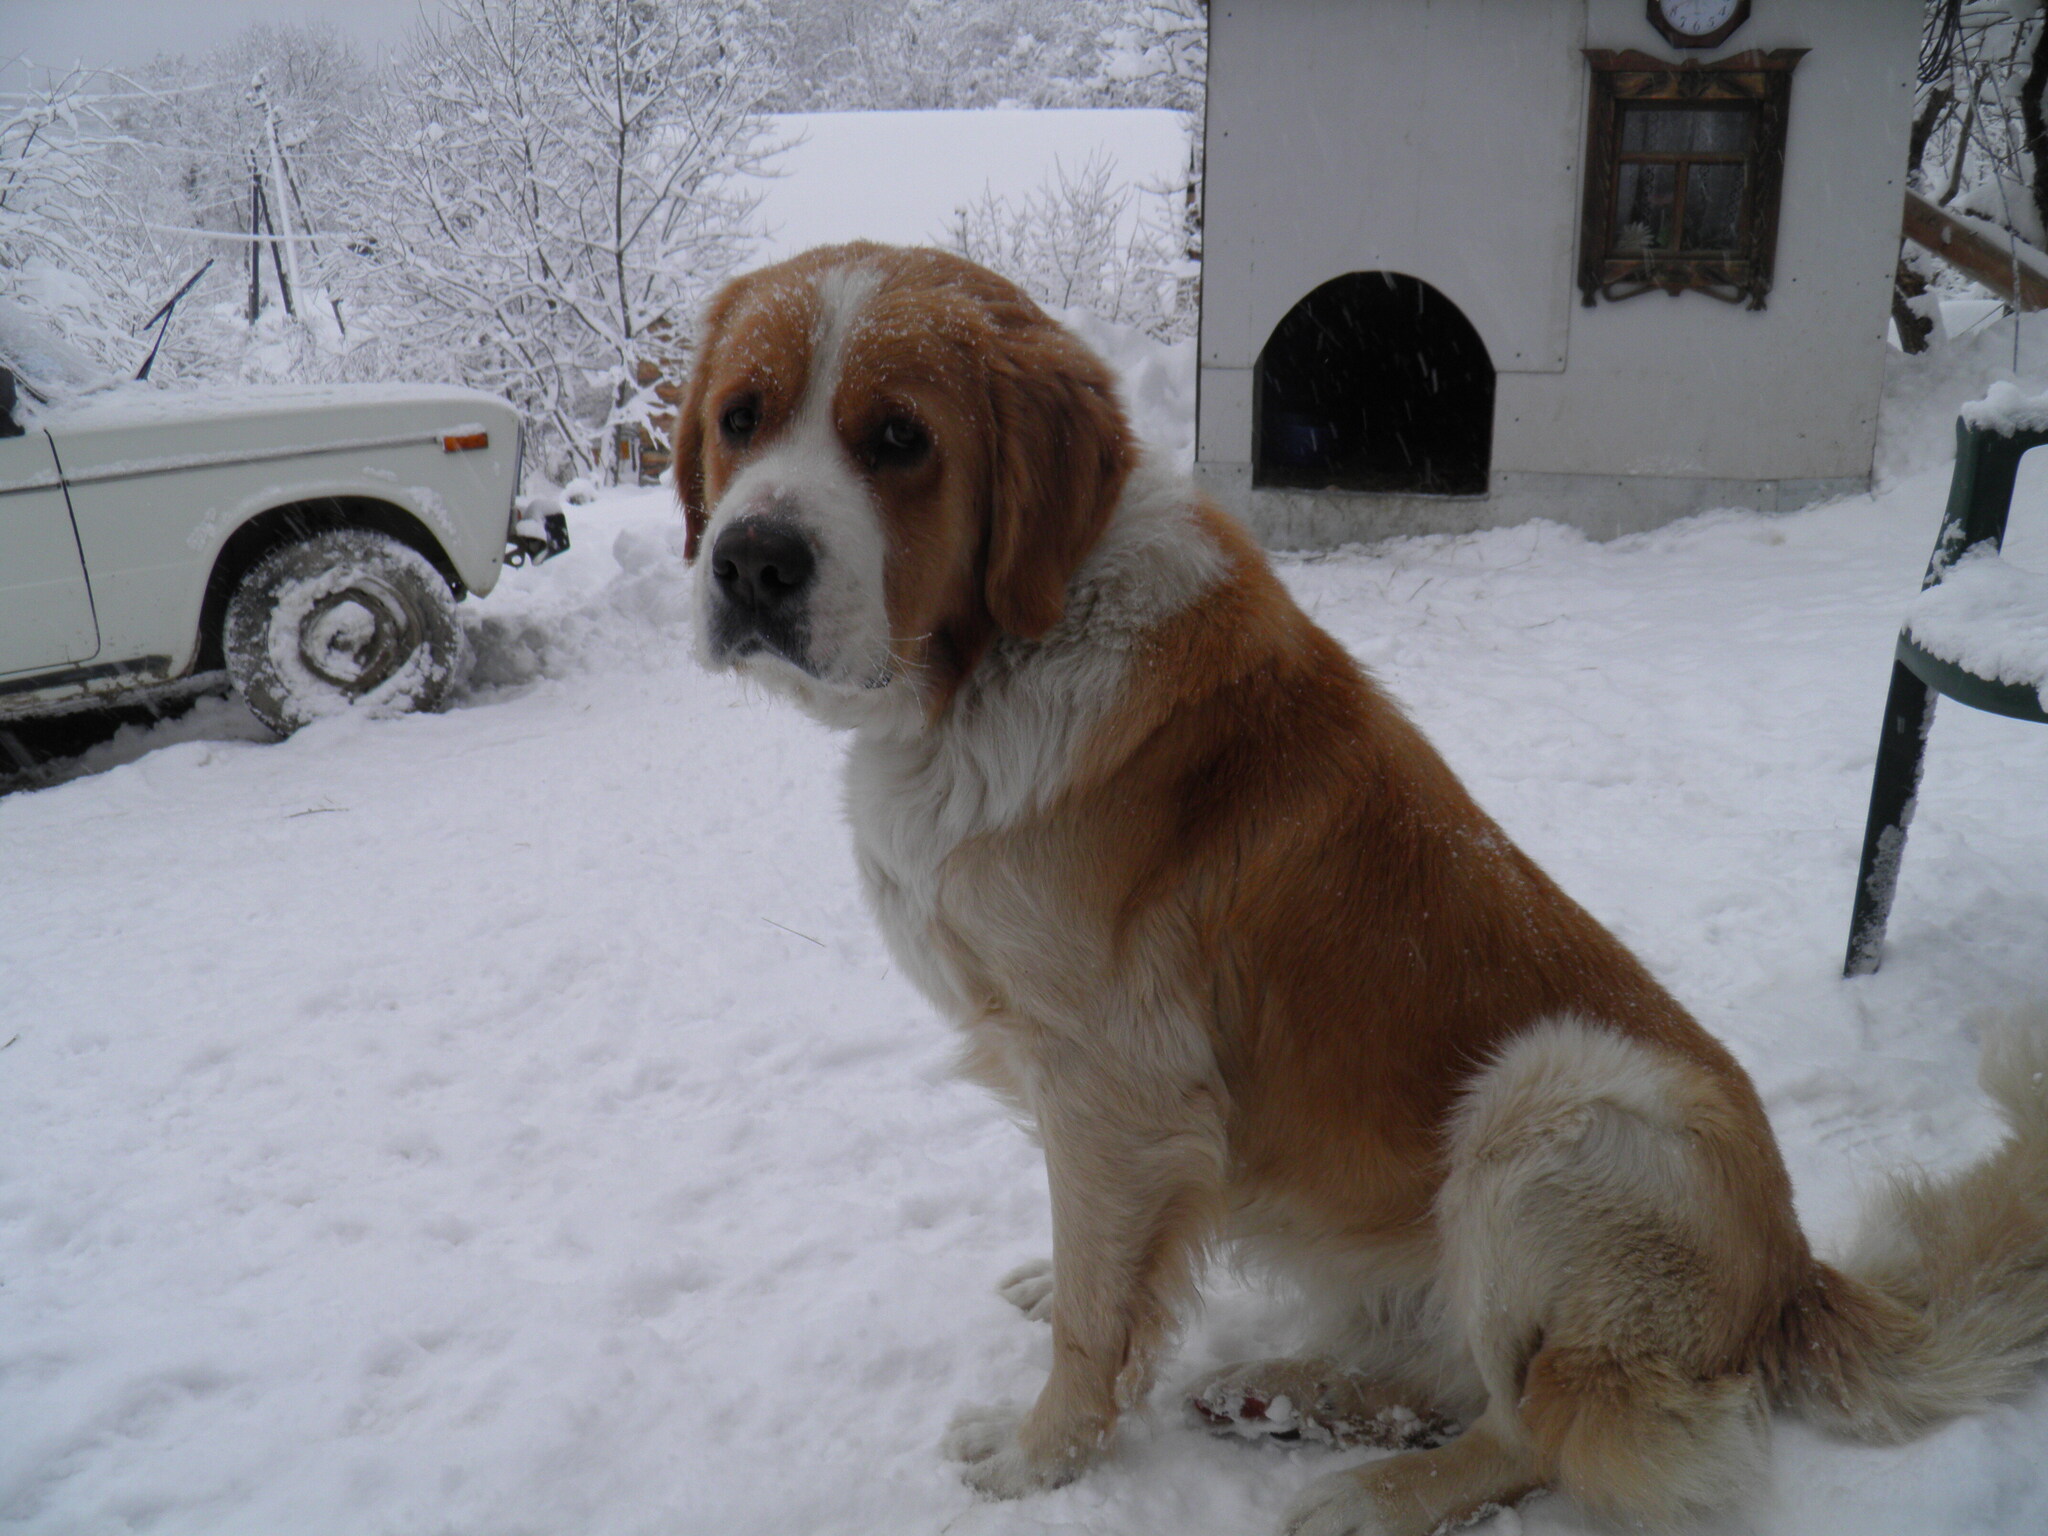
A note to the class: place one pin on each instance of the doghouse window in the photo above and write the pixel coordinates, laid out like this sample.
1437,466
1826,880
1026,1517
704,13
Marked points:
1375,382
1683,165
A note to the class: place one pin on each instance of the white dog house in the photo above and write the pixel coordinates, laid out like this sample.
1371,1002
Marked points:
1469,262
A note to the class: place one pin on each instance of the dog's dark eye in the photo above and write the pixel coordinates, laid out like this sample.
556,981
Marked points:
899,442
739,421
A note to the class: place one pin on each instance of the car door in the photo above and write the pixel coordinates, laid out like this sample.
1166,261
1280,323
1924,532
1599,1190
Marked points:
46,617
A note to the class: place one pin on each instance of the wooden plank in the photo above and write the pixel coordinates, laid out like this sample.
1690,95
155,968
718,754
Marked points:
1978,251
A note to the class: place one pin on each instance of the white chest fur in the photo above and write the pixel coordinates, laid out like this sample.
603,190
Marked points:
1006,749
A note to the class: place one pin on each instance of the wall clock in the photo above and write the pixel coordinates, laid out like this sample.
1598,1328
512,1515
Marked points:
1697,23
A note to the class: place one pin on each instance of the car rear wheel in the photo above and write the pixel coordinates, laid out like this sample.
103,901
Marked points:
344,620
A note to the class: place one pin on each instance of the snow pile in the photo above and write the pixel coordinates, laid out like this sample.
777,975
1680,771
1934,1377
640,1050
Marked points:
1924,395
507,1121
1157,380
1987,616
597,610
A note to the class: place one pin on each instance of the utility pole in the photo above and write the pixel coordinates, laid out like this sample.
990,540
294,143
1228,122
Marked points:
261,97
255,246
277,257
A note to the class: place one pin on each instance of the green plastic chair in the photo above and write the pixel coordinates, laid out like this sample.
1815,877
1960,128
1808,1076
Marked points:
1988,458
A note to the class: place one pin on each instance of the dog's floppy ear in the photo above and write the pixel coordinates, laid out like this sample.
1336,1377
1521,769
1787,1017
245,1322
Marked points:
688,459
1062,450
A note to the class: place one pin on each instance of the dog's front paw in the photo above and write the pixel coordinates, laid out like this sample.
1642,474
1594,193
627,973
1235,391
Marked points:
1028,1288
997,1465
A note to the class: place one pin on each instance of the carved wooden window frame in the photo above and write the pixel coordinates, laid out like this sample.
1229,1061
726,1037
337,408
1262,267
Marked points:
1758,80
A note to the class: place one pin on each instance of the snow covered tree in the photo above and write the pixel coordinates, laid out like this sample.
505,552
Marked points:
556,186
1979,144
904,55
257,140
1979,60
66,251
129,184
1157,55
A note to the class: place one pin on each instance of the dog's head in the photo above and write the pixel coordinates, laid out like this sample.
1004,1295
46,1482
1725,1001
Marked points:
886,457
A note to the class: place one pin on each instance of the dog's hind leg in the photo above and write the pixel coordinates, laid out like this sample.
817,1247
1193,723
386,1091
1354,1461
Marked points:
1630,1438
1610,1224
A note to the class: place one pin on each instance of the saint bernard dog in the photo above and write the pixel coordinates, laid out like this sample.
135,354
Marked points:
1214,917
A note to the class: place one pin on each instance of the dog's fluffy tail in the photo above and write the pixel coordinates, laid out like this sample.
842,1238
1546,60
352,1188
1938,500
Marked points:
1941,1307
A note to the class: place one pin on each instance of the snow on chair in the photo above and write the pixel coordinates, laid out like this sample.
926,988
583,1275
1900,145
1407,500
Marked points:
1977,632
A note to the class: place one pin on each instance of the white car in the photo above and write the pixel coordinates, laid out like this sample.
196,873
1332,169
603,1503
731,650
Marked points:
310,542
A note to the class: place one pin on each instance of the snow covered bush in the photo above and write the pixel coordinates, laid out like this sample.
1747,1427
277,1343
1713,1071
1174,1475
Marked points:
1083,240
1158,56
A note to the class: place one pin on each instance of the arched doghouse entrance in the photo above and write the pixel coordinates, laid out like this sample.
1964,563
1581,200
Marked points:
1375,382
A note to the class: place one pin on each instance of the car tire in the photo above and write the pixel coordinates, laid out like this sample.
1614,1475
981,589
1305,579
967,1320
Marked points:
345,620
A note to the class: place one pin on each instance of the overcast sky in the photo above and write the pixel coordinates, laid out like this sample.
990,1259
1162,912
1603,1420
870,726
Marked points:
126,32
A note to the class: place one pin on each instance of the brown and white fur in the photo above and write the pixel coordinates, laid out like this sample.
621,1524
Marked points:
1216,918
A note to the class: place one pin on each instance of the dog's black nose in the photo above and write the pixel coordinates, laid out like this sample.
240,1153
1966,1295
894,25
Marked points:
761,565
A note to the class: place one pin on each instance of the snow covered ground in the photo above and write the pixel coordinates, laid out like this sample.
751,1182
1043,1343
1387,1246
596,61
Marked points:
507,1121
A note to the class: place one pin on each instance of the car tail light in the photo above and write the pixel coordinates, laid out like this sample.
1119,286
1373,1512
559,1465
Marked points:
462,442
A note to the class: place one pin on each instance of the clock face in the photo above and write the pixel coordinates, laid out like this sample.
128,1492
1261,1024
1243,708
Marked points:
1698,23
1698,16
